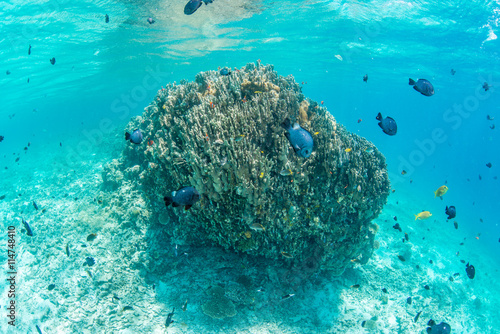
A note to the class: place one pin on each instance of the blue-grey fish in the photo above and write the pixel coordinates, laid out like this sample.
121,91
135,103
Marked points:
300,139
185,196
29,232
150,20
423,86
193,5
225,71
169,318
442,328
486,87
451,212
53,60
38,329
470,270
135,137
388,125
35,205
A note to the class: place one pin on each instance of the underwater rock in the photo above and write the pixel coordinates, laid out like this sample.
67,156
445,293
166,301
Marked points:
222,135
219,307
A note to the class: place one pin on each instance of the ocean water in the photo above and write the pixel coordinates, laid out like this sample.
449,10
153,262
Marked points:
73,115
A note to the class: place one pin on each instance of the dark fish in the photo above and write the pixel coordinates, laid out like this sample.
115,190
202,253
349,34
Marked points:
38,329
29,232
480,178
486,87
290,295
417,316
492,126
453,72
451,212
1,138
135,137
395,218
423,86
355,286
456,225
17,159
408,300
456,274
365,78
451,279
184,306
192,6
106,18
442,328
67,249
2,197
397,227
53,60
91,237
426,287
36,206
470,270
60,144
489,118
430,261
89,261
407,237
384,290
363,323
463,261
128,308
169,318
51,287
402,258
185,196
300,139
28,80
489,165
29,50
7,72
150,20
225,71
388,125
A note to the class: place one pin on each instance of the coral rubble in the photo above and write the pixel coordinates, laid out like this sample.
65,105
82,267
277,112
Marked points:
222,135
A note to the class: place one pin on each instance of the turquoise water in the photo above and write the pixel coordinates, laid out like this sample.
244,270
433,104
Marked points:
73,114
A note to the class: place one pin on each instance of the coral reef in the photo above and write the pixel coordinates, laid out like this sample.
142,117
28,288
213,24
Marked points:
222,135
218,307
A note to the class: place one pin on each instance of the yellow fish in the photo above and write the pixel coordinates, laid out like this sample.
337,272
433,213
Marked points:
440,191
423,215
258,92
287,255
261,175
348,150
316,133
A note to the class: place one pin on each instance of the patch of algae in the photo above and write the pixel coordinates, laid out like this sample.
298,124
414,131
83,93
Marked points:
222,135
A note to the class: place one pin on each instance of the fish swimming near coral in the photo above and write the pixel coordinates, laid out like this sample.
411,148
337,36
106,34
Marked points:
388,125
225,71
423,215
422,86
441,191
300,139
257,227
470,270
185,196
451,212
135,137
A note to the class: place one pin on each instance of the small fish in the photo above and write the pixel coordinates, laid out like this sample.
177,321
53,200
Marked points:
408,300
29,50
316,133
407,237
286,172
348,150
239,138
430,261
489,165
440,191
257,227
257,92
456,225
150,142
426,287
451,212
185,196
492,126
36,206
388,125
91,237
365,78
53,60
17,159
106,18
423,215
28,80
287,255
290,295
359,120
486,87
422,86
135,137
7,72
403,172
402,258
300,139
442,328
417,316
1,138
150,20
339,57
451,279
184,306
322,102
261,175
384,290
169,318
453,72
29,232
397,227
67,249
369,150
51,287
89,261
38,329
489,118
60,144
355,286
470,270
192,6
